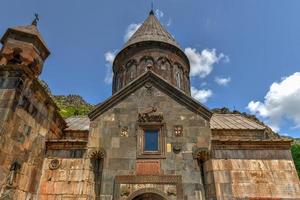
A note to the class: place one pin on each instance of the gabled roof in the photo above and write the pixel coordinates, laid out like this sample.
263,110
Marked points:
233,122
151,30
31,30
78,123
159,83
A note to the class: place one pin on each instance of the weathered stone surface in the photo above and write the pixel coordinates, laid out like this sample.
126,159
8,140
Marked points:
43,159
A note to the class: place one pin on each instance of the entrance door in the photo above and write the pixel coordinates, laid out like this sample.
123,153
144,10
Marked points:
149,196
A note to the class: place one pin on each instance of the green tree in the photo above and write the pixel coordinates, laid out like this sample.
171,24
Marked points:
296,156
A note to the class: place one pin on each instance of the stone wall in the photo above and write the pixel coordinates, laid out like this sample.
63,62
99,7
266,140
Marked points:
70,179
121,150
257,174
28,119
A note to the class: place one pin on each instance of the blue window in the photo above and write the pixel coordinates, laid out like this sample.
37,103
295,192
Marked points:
151,140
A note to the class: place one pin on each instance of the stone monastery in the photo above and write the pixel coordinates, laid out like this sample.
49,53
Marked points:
149,140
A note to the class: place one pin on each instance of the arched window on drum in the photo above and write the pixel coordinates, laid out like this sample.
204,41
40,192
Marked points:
146,64
164,67
131,68
178,76
119,80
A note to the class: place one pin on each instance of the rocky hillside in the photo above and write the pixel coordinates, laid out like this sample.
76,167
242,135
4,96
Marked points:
70,105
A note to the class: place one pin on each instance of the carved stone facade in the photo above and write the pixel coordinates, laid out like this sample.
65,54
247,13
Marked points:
149,140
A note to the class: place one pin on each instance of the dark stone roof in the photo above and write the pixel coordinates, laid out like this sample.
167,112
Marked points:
233,122
217,122
30,30
151,30
78,123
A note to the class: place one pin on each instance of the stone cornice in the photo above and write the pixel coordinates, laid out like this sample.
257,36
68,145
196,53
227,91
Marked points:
240,144
65,144
162,85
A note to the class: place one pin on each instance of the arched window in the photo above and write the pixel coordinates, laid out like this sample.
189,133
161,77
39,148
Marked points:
131,70
146,63
119,80
178,79
178,76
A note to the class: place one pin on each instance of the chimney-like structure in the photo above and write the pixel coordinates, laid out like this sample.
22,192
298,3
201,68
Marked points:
24,46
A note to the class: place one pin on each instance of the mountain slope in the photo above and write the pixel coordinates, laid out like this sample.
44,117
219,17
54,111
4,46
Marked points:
69,105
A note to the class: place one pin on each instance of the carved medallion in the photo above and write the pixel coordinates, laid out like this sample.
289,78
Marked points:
98,154
124,132
178,130
54,164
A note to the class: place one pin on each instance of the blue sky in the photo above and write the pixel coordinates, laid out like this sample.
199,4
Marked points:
242,48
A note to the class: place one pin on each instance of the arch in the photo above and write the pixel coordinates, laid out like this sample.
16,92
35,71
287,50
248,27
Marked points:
146,63
163,63
131,70
143,191
178,73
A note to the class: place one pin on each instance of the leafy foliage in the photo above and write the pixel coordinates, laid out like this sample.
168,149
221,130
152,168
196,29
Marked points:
72,105
69,105
296,156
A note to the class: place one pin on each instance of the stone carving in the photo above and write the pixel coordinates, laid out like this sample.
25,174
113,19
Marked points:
171,191
148,116
148,86
54,164
124,132
178,130
177,148
125,191
98,154
200,154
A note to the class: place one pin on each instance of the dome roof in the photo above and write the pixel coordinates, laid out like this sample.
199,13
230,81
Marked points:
151,30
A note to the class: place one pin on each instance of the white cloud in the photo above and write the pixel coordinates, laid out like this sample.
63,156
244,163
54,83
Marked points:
131,29
222,80
201,95
169,23
281,102
159,14
202,63
109,59
203,84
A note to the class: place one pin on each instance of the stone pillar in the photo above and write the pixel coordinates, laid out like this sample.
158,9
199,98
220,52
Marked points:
96,158
201,155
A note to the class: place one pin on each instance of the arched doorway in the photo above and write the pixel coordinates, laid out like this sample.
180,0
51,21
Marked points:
149,196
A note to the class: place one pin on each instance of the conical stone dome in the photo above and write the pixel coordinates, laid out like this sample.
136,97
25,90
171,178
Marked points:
151,30
152,48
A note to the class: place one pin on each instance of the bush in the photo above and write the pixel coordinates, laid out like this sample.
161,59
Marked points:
296,156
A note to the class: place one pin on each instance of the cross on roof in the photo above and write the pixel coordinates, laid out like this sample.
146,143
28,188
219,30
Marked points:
36,19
